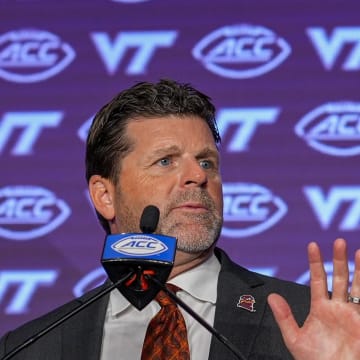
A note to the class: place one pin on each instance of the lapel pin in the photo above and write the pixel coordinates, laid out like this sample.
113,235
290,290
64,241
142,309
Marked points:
247,302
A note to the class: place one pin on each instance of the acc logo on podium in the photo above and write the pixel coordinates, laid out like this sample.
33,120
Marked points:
27,212
250,209
138,244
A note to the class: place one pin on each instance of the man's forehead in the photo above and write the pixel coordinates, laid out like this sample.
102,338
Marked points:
165,125
161,134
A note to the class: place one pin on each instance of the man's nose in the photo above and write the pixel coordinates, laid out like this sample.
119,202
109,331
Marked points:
193,174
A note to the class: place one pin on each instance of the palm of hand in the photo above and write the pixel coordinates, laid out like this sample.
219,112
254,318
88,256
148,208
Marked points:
331,332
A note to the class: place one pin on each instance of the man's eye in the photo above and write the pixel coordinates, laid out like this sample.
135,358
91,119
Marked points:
164,162
206,164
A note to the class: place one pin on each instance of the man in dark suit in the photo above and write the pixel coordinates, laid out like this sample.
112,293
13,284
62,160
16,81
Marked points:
157,144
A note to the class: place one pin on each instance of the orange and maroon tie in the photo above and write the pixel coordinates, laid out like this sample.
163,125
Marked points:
166,335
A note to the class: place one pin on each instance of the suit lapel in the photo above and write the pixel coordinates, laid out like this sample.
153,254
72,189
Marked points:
240,306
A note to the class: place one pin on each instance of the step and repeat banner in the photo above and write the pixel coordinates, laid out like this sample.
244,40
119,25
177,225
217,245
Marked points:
285,77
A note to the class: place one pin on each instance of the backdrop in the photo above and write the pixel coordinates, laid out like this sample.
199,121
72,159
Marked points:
284,76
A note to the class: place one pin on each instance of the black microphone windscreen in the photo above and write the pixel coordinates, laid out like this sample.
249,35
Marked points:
149,219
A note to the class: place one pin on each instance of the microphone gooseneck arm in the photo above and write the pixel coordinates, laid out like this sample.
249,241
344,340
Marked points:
199,319
62,319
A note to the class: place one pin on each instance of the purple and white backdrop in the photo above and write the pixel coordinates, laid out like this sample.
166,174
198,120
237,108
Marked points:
284,76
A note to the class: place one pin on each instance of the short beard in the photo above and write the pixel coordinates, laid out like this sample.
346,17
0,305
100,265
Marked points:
206,226
199,241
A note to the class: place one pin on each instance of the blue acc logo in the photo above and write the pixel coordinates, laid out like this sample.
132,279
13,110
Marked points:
27,212
139,245
332,128
241,51
250,209
28,56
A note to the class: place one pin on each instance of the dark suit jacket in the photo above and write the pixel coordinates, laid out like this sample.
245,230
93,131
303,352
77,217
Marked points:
255,334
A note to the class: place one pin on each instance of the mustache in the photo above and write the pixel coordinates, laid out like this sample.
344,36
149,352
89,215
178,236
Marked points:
194,195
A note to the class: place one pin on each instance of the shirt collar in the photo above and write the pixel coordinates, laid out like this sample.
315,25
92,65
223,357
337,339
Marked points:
200,282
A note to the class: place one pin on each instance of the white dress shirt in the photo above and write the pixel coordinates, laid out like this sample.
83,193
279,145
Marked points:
125,326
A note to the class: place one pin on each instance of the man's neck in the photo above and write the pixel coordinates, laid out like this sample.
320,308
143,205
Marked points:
185,261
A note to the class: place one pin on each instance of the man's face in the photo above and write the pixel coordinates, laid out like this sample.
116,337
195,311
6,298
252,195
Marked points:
174,165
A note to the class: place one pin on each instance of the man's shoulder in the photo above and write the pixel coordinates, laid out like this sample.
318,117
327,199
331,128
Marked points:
232,271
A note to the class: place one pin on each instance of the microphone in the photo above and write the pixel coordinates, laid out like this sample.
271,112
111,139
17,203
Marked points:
140,254
149,219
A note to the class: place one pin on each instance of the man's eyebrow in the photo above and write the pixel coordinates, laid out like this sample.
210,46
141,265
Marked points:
208,152
174,149
163,151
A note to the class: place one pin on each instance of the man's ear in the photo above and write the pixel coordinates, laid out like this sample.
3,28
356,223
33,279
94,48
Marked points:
102,193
